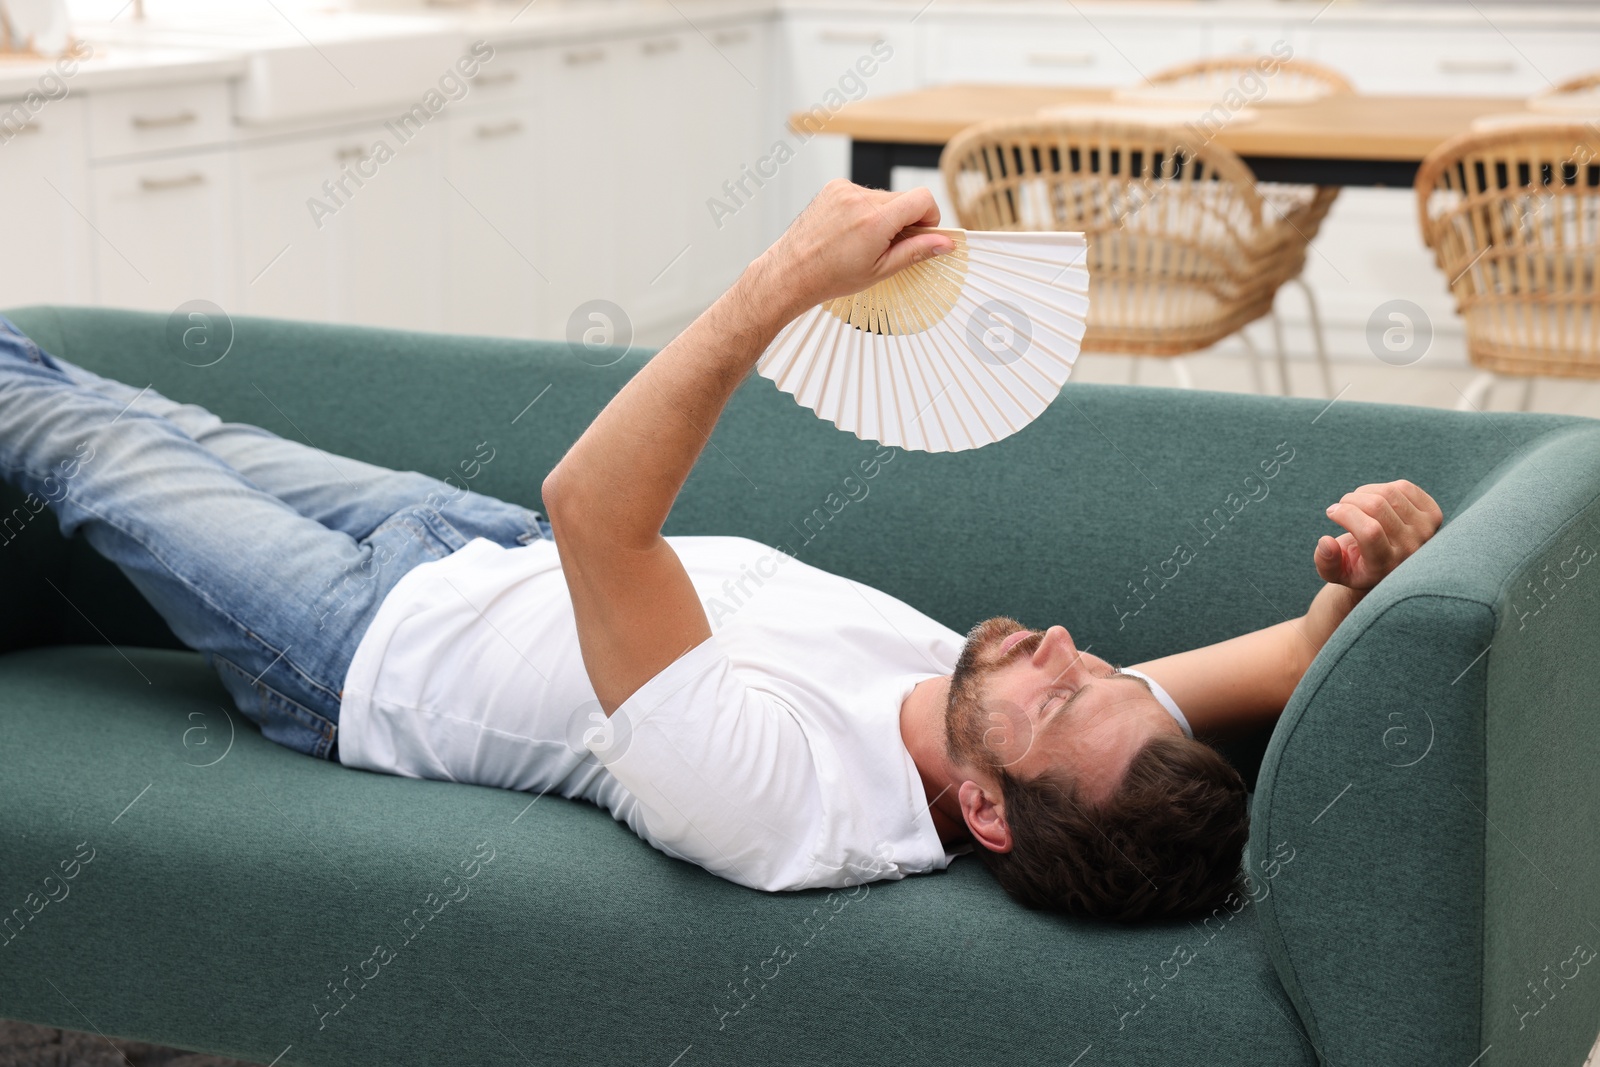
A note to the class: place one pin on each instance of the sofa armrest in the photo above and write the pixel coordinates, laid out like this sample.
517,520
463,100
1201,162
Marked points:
1435,775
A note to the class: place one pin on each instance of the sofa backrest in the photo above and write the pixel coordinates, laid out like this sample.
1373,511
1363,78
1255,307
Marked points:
1080,519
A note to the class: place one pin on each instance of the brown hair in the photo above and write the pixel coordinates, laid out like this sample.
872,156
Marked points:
1166,844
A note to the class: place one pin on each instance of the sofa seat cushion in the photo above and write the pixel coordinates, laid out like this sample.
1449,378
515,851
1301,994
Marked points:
180,879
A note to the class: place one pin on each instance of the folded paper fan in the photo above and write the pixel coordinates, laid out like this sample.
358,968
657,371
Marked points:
951,353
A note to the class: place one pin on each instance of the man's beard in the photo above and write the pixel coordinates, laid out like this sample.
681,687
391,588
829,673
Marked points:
965,721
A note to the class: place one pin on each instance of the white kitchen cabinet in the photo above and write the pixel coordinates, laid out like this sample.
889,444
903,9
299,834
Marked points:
826,62
163,231
160,118
1068,50
512,74
733,192
691,203
1453,61
605,181
665,139
497,269
47,235
579,178
370,251
1251,37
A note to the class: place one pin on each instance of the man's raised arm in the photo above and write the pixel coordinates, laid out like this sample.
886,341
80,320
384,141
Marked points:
1236,686
607,499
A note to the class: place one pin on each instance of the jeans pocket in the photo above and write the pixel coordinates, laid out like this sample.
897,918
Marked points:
14,342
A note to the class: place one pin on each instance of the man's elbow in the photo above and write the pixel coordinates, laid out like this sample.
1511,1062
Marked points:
560,504
570,502
551,491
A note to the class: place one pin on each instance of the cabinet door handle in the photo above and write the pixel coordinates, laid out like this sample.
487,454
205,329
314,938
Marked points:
577,57
850,36
162,122
162,185
349,153
505,77
1477,66
730,37
661,46
1061,59
26,127
501,129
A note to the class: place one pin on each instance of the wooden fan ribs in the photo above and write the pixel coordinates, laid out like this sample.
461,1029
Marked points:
911,301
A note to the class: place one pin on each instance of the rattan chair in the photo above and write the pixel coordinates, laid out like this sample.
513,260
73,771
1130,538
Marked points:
1291,81
1183,251
1579,84
1513,218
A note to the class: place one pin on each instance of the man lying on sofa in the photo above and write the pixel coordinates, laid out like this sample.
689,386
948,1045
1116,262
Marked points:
824,735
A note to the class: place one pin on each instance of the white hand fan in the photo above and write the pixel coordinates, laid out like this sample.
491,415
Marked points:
954,352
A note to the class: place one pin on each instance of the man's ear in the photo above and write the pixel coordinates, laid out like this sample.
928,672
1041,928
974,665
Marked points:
985,815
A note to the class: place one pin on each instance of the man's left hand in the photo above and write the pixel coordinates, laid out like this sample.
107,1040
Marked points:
1386,524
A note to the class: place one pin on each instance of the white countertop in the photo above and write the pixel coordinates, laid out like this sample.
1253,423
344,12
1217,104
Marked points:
510,21
1570,13
560,21
111,66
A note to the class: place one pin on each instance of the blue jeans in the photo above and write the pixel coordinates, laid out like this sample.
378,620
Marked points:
267,556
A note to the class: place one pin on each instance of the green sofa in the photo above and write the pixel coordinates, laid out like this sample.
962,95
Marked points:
1424,863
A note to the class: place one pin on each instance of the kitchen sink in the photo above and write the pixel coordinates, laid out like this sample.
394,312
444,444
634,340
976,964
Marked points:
305,64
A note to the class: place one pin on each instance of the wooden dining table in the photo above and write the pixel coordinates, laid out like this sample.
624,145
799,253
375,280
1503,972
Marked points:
1336,140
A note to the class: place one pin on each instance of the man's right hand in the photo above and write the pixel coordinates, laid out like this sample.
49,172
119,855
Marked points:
848,239
1386,524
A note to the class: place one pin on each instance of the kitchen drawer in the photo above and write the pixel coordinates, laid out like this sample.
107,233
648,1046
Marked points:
1248,37
1382,59
511,75
159,119
1069,50
165,231
834,60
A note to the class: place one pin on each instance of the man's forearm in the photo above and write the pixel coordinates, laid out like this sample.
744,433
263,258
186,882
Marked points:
1330,607
1237,686
625,471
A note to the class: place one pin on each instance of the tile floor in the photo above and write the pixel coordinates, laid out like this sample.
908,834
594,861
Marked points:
1430,382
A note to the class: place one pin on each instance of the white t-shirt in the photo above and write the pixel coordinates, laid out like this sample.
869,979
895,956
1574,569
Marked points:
769,754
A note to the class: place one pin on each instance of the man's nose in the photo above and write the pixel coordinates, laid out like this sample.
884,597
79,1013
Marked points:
1057,650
